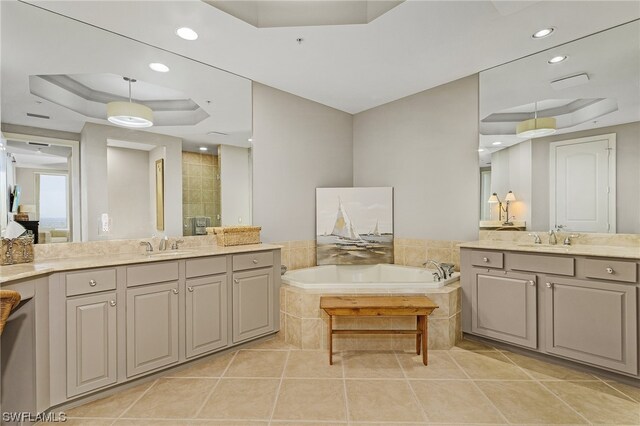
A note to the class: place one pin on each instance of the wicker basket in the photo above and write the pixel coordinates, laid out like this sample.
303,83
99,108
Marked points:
16,250
236,235
9,299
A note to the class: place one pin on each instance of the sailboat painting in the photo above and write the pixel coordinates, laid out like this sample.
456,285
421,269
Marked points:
354,226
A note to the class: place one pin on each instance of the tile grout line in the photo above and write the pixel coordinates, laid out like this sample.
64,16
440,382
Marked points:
206,399
565,402
275,402
539,382
344,388
138,399
495,407
413,392
619,391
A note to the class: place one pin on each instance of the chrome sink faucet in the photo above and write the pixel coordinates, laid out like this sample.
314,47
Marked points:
553,238
441,274
174,245
537,239
149,247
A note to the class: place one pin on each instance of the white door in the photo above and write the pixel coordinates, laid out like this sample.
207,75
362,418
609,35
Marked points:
582,189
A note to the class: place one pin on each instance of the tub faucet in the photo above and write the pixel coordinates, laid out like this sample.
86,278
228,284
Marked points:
149,247
441,274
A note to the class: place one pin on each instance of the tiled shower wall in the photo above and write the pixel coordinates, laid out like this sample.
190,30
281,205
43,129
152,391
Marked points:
407,251
201,186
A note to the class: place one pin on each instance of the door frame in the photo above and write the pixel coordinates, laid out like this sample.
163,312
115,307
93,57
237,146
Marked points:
611,199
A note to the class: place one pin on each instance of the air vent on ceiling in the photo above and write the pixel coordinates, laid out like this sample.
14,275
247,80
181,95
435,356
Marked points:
39,144
30,114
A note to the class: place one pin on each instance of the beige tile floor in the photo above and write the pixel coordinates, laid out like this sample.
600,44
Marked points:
271,383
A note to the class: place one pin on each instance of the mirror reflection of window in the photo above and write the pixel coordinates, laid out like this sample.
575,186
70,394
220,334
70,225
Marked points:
53,204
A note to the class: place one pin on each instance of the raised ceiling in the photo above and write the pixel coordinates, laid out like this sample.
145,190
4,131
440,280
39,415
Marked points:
414,46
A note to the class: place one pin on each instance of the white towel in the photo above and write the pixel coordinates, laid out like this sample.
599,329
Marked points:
14,230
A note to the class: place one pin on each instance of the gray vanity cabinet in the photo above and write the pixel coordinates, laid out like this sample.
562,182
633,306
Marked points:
152,327
592,321
504,306
206,314
91,343
253,301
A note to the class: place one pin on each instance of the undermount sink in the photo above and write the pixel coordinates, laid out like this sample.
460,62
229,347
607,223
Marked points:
168,253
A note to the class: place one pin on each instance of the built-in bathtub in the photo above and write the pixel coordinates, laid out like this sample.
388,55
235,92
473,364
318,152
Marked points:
304,324
361,278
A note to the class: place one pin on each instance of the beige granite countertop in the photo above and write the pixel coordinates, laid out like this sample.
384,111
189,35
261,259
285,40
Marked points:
27,270
578,249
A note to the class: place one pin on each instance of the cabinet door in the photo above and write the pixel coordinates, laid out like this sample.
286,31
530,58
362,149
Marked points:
206,310
252,303
504,307
152,327
592,321
91,343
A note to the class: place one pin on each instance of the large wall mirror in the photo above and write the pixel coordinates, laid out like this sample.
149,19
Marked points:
78,176
560,137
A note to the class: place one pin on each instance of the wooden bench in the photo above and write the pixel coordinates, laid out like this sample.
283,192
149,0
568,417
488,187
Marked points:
380,306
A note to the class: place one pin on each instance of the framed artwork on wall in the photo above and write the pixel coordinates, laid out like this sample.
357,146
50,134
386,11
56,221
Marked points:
354,226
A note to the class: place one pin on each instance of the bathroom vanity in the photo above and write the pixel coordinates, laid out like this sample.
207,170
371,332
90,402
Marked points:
575,302
98,322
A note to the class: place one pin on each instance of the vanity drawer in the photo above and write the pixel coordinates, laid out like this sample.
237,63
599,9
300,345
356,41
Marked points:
252,260
556,265
615,270
152,273
487,259
206,266
91,281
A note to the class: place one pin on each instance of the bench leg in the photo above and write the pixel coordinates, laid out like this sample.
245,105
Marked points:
425,338
418,335
330,334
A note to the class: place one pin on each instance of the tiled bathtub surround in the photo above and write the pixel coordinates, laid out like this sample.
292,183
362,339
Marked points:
407,252
111,247
304,324
592,239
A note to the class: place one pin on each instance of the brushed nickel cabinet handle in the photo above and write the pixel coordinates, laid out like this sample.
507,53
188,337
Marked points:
255,261
236,281
485,259
112,303
175,291
92,283
549,285
190,289
609,270
531,282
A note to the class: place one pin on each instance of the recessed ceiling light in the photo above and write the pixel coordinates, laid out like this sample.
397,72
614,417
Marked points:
545,32
157,66
203,148
480,150
186,33
497,143
557,59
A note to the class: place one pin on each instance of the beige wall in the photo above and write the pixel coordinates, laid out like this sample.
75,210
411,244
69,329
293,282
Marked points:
128,187
426,147
298,145
93,170
627,169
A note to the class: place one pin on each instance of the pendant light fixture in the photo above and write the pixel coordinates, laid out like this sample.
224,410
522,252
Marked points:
129,114
536,127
